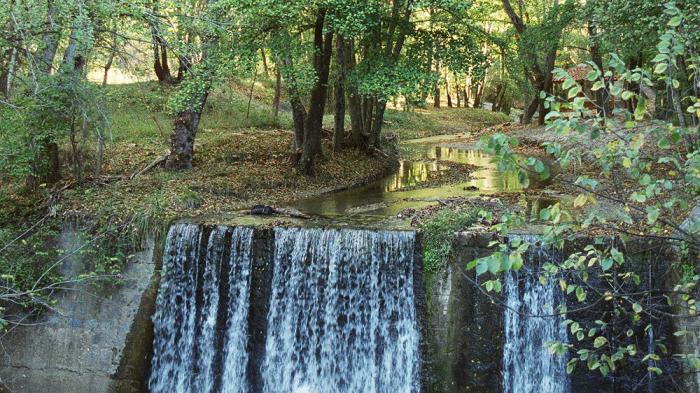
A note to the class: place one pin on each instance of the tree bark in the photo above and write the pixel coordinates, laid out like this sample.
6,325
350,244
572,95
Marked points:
602,95
459,95
187,121
323,44
447,91
110,59
50,40
436,92
278,93
160,50
182,139
341,63
354,100
264,61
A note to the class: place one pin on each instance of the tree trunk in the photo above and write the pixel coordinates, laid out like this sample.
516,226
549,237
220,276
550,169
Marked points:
182,139
323,44
186,122
298,112
110,59
478,94
50,40
436,97
602,95
8,74
531,109
278,93
264,61
160,50
54,167
341,63
459,95
465,94
447,91
354,100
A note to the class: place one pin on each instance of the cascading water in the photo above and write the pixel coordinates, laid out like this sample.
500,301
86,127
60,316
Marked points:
187,342
342,313
528,367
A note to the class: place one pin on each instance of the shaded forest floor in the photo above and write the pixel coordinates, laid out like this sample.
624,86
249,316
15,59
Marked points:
242,158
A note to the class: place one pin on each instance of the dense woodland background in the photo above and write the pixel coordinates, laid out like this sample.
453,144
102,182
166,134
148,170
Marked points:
125,113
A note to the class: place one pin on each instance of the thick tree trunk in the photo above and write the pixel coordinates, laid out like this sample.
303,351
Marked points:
341,63
377,124
182,139
314,119
186,122
54,167
531,109
354,100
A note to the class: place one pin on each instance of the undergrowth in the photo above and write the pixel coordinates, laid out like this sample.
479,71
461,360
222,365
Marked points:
439,232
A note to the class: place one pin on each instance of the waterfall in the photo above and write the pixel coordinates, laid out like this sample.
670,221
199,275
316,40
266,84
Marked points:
342,315
337,308
528,367
192,300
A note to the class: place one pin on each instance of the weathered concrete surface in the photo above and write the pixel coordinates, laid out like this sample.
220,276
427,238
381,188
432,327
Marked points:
690,342
92,343
464,328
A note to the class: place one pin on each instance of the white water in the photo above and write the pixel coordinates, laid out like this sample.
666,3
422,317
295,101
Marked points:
186,344
342,313
528,367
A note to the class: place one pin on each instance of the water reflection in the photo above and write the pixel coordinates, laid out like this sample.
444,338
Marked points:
396,192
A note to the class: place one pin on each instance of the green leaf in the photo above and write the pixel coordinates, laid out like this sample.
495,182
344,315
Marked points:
675,21
482,266
661,68
637,307
606,264
598,85
652,214
580,294
617,256
494,265
599,341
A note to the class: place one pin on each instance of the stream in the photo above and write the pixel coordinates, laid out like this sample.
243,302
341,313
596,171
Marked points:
421,161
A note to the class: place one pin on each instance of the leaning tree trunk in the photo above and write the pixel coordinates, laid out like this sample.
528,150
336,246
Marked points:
182,139
186,122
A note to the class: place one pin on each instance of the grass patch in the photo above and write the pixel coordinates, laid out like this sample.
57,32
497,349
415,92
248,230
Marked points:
423,123
439,232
